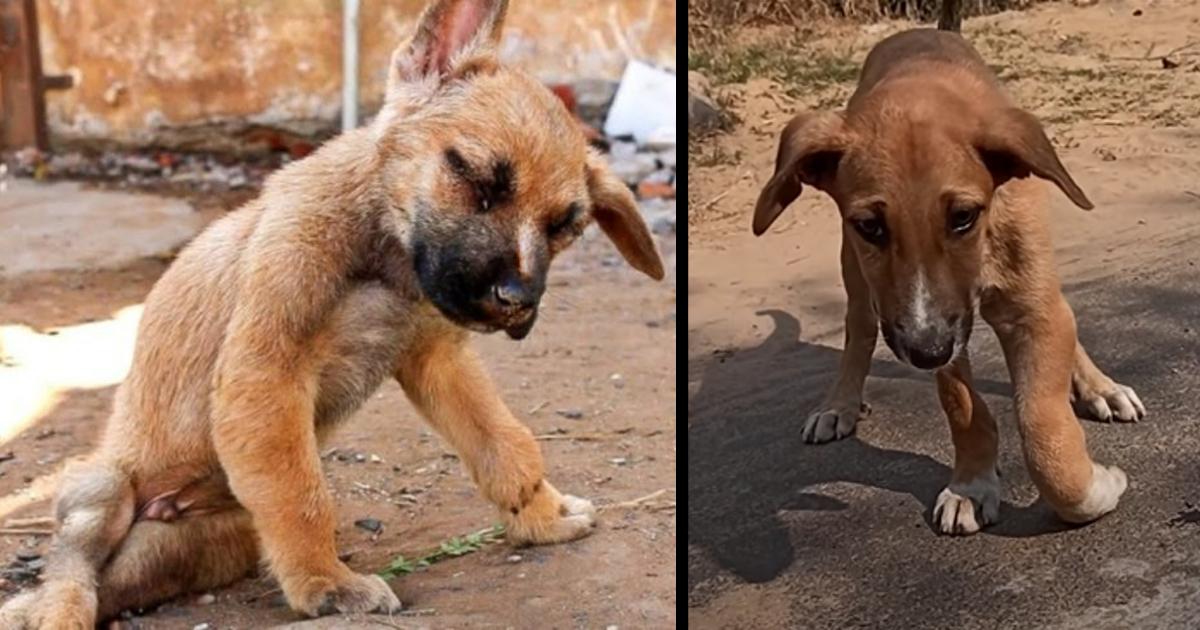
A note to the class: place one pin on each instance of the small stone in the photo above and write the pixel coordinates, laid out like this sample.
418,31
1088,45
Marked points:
201,626
206,599
372,525
375,459
617,380
622,150
619,461
360,458
515,558
635,169
612,627
703,113
593,97
570,414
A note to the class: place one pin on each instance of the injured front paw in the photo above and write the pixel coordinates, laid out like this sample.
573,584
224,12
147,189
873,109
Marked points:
550,517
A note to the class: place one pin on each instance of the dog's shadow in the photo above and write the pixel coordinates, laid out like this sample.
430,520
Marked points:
747,461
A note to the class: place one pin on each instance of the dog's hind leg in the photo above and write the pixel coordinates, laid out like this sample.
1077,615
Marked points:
844,406
94,511
972,500
1095,395
160,560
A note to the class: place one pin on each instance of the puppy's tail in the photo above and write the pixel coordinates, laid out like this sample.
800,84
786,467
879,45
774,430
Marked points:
951,17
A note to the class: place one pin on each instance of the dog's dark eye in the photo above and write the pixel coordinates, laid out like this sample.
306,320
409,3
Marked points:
963,218
565,222
873,230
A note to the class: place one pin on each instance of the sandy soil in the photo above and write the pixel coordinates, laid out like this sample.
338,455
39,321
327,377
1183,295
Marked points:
605,347
786,534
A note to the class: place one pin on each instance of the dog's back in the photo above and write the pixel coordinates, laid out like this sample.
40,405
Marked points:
911,53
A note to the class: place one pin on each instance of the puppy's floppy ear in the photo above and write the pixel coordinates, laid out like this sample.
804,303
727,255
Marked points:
448,32
810,148
616,212
1014,145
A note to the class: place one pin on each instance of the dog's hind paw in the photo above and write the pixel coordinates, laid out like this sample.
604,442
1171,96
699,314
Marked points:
833,422
965,508
1106,401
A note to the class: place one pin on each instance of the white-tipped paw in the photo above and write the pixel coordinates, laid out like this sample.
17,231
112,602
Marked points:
1108,484
965,508
1108,401
833,422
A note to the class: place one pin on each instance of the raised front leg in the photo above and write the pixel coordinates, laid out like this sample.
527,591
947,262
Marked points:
446,382
1098,396
843,406
1040,347
972,500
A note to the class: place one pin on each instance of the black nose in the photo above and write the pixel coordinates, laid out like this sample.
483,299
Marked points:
512,293
928,357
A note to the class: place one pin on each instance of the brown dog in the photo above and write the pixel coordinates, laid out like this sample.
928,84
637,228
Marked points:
365,260
929,165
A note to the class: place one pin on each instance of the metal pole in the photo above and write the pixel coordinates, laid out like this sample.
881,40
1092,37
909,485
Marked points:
349,64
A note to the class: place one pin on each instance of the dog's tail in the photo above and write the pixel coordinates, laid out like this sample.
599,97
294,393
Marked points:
951,17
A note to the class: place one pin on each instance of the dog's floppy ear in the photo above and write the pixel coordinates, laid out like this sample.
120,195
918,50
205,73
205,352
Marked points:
449,32
810,148
615,211
1014,145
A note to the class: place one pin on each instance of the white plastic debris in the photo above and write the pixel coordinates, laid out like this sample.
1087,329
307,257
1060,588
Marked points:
644,105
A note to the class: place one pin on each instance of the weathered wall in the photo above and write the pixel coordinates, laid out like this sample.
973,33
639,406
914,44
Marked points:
172,72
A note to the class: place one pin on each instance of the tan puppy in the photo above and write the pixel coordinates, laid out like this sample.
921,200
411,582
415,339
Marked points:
366,260
929,165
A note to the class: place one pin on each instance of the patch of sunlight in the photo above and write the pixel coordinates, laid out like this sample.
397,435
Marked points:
38,367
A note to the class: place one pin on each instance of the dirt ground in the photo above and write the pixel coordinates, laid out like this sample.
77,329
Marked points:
784,534
603,353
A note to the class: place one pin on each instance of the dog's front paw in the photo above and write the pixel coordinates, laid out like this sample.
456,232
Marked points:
346,592
833,421
550,517
964,508
1106,400
1103,494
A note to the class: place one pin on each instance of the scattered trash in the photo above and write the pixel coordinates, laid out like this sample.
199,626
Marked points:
644,103
648,189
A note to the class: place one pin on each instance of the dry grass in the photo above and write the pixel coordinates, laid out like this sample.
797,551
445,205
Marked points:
718,13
